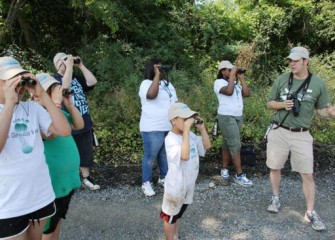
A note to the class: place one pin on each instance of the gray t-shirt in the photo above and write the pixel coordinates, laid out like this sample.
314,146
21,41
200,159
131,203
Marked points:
316,97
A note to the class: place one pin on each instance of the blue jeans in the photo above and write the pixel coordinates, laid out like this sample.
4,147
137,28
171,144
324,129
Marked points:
154,148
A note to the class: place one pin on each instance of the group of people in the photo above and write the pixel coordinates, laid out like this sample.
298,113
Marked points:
39,157
165,128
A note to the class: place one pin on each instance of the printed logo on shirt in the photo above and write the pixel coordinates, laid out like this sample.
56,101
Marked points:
79,98
21,132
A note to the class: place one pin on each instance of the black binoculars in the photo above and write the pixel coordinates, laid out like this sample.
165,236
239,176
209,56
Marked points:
165,68
198,121
67,92
27,81
75,61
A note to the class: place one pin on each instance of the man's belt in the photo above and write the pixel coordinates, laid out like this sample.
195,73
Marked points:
292,129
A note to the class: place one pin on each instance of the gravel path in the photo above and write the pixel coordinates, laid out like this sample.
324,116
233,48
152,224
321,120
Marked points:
222,212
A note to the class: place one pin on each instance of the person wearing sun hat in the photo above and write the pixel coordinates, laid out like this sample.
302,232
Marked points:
62,156
27,197
183,149
79,84
295,96
230,88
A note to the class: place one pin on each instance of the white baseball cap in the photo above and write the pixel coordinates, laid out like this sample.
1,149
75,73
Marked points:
225,64
180,110
10,67
59,56
298,53
46,80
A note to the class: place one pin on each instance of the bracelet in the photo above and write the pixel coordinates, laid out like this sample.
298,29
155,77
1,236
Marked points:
58,105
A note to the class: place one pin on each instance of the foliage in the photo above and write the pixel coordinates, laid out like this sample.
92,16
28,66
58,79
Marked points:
116,38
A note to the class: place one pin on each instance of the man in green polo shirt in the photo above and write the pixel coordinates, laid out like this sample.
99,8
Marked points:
294,96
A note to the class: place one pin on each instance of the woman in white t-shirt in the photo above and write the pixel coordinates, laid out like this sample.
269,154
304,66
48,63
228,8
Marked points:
230,87
26,193
157,95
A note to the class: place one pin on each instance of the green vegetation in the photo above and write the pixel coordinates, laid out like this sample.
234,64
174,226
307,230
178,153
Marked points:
115,38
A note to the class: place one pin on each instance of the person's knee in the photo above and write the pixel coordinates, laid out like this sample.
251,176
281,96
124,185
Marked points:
275,172
307,177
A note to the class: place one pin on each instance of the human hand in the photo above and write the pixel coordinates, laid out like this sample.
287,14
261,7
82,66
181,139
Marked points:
34,89
331,111
12,90
288,105
69,61
188,123
67,100
156,69
199,123
232,74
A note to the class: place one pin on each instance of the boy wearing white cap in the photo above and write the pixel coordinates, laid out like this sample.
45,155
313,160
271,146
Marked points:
27,197
183,149
294,97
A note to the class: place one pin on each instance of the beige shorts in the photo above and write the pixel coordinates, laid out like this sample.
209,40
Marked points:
281,142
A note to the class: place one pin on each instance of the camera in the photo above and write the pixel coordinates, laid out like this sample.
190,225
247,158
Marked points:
75,61
296,103
67,92
241,70
27,81
198,121
165,68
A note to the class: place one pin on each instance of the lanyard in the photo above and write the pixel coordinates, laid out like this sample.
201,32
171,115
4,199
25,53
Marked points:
165,86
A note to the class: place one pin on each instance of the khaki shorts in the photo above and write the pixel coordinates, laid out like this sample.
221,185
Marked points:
281,142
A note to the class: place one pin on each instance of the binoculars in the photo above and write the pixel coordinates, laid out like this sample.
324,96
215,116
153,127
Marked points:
27,81
67,92
75,61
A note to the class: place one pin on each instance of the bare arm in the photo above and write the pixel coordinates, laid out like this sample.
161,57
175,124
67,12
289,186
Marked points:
59,125
205,138
154,88
229,89
327,112
275,105
67,78
90,78
77,119
185,146
245,90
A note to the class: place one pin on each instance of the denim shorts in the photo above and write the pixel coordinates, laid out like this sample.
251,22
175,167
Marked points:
230,127
15,226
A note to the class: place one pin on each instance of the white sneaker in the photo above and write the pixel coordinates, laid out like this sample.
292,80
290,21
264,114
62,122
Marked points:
161,182
224,174
315,221
147,189
89,183
242,180
275,205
